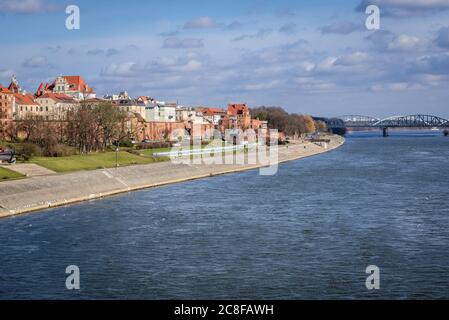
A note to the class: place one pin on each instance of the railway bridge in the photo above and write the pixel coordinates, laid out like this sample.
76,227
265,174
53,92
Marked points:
343,123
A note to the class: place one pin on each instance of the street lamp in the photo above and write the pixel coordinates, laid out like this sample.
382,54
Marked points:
116,154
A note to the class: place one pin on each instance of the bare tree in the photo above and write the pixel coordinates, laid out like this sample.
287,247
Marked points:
29,125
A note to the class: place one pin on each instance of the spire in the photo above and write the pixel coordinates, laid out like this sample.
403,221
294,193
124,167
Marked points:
14,85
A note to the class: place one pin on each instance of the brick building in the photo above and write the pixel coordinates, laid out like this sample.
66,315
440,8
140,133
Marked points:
239,116
6,111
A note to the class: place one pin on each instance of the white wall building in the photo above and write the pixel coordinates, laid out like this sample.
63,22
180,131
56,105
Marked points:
189,115
166,111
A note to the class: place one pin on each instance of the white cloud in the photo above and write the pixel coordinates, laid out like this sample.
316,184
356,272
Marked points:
405,43
26,6
234,25
262,86
432,80
352,59
442,39
201,23
289,28
192,65
327,64
260,34
416,4
308,66
396,86
308,83
125,69
6,73
343,27
431,64
406,8
178,43
35,62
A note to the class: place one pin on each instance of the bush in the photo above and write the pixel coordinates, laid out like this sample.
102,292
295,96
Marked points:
134,152
60,150
25,151
154,145
126,144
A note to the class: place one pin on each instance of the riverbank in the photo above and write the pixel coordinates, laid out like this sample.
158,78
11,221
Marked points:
43,192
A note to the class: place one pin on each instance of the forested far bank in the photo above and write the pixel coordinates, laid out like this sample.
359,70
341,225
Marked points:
289,123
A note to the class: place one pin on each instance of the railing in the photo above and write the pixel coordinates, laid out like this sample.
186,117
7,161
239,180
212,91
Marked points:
214,150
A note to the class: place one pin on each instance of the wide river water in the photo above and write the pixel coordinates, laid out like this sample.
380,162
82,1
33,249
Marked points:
308,232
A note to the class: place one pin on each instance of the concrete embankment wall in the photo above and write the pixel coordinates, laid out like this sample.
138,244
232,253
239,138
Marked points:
55,190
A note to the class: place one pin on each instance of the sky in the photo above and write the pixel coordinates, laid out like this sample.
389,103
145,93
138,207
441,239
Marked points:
313,57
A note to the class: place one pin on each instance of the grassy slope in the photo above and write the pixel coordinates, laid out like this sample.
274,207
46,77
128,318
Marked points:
6,174
91,162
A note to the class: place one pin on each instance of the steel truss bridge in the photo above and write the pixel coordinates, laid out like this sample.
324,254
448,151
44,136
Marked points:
367,122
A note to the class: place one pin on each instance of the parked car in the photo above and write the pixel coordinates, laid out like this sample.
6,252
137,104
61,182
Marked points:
7,156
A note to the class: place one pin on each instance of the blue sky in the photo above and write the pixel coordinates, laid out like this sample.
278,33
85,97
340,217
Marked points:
312,57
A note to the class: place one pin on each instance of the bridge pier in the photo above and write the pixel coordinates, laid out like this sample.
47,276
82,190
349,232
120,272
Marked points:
385,132
446,132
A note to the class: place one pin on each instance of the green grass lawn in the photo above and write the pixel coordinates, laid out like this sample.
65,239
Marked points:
6,174
92,161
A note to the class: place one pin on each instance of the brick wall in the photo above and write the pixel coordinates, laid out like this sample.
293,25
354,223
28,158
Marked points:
6,113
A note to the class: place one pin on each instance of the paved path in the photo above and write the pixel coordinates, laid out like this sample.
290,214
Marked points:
30,169
41,192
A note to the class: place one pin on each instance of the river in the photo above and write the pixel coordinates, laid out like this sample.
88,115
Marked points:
308,232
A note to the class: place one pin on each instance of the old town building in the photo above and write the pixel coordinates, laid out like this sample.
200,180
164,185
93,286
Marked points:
54,106
6,111
73,86
239,116
25,105
146,118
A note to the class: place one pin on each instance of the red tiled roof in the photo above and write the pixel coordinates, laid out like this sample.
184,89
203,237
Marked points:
235,109
94,100
25,99
43,87
4,90
58,97
212,111
78,83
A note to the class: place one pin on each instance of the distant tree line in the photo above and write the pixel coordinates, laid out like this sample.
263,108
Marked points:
291,124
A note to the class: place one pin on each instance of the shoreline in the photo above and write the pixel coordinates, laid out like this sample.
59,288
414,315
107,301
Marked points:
45,192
